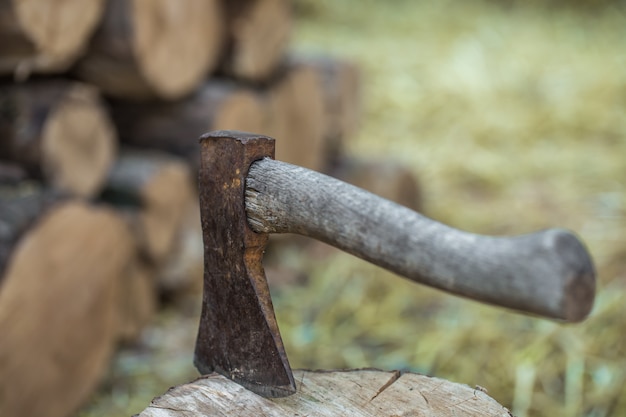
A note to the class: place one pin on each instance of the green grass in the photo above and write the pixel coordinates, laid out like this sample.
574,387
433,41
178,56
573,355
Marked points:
514,119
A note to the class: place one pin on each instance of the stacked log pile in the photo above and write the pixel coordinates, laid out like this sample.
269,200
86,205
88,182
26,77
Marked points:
101,106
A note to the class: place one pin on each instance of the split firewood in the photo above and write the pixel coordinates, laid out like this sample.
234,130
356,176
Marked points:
153,190
340,84
138,299
296,117
44,36
58,299
365,392
154,48
57,131
182,271
258,36
175,127
385,178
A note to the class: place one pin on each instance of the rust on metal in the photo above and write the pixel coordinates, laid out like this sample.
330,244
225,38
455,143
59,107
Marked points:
238,335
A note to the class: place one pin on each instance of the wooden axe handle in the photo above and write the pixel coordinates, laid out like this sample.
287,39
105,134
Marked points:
548,273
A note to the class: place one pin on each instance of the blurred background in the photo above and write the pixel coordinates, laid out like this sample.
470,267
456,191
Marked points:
495,117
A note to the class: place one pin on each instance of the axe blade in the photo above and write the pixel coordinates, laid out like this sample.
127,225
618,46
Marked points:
238,335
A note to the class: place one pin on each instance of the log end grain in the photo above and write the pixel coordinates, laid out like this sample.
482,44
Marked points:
45,36
154,48
57,309
78,143
259,32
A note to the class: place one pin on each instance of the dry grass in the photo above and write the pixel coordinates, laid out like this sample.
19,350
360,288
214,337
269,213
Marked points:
514,118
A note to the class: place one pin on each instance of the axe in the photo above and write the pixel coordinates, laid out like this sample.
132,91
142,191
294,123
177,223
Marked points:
245,195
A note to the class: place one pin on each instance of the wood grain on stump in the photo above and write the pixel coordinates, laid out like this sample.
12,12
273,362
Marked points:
58,131
154,48
58,300
332,393
44,36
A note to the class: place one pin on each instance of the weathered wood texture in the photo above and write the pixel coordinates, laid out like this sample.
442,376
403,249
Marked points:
387,179
559,282
332,393
57,308
44,36
154,48
58,131
154,190
175,127
258,34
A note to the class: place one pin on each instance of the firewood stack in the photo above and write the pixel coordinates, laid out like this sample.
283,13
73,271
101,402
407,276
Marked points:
101,106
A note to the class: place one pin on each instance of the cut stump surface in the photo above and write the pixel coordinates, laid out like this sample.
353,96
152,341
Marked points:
365,392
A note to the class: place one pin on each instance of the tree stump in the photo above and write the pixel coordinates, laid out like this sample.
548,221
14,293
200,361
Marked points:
44,36
154,48
364,392
58,297
57,131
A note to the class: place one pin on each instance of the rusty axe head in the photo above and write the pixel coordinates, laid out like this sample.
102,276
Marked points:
238,335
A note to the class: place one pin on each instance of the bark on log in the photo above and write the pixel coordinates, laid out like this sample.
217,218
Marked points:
155,190
57,131
57,304
44,36
154,48
384,178
175,127
331,393
258,36
297,117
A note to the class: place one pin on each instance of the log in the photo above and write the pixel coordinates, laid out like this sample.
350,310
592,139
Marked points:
44,36
297,118
364,392
154,48
57,303
137,301
175,127
341,88
182,272
258,35
57,131
153,189
387,179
